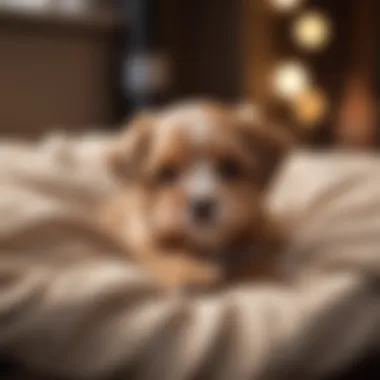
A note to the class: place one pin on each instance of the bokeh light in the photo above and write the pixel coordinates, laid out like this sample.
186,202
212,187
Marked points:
290,79
310,107
312,31
285,5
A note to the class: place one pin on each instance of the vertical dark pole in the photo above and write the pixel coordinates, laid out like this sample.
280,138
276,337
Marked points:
375,44
376,66
144,68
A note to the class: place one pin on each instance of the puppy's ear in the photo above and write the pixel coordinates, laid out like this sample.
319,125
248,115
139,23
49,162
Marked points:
127,152
268,142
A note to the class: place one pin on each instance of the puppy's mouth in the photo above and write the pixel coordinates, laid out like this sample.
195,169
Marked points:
172,242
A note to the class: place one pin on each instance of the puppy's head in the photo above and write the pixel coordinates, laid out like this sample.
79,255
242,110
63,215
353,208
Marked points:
201,168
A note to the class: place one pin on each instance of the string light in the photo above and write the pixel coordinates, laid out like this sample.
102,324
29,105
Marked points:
310,107
312,31
290,79
285,5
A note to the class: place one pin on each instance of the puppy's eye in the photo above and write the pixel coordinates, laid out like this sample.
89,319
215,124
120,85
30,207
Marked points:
168,174
229,169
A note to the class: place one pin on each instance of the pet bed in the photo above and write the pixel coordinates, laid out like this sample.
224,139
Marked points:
72,307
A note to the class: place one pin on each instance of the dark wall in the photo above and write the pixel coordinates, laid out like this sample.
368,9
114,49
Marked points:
204,40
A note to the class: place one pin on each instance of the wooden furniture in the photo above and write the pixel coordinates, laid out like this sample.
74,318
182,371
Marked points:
259,50
56,70
357,114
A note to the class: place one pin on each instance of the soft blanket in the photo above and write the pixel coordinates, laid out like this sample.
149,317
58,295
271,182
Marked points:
72,306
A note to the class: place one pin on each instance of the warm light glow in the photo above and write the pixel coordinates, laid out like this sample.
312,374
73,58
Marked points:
290,79
312,31
286,5
310,107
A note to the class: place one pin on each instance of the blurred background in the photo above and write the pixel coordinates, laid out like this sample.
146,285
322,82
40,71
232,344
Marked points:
84,64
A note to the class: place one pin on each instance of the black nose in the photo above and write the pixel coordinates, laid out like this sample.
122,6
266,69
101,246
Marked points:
203,210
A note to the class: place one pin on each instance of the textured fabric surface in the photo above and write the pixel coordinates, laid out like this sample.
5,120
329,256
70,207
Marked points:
73,307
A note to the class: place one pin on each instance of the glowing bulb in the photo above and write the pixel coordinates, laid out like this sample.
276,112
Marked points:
290,79
285,5
312,31
310,107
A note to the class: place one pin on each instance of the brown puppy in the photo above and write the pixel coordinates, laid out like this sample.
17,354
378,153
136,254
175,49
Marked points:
193,180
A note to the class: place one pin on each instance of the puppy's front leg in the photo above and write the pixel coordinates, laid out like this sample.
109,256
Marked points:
260,257
180,270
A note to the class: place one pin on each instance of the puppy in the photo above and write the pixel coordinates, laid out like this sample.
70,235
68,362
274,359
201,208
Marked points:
193,177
